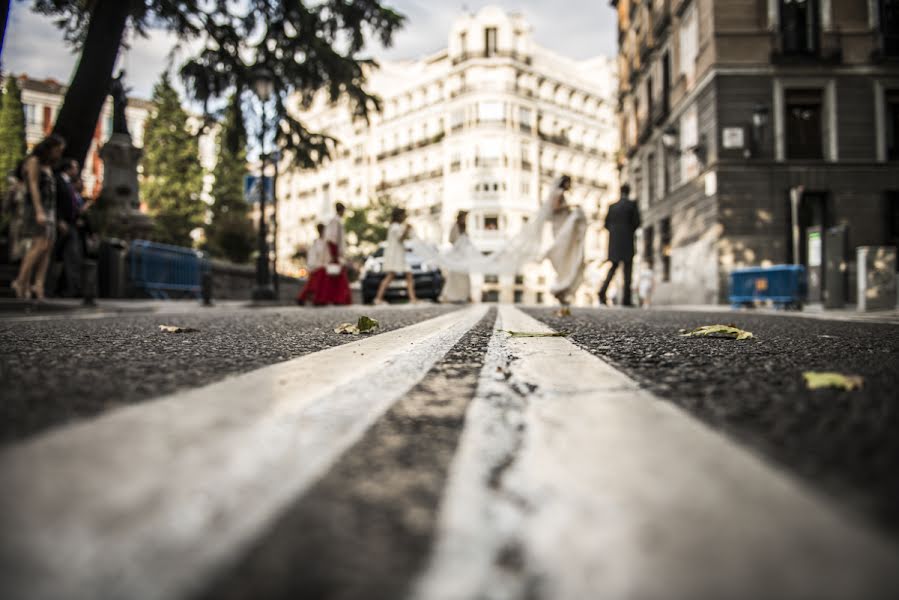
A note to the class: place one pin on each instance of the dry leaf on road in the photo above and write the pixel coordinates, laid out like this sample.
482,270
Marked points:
363,325
717,331
815,380
176,329
536,334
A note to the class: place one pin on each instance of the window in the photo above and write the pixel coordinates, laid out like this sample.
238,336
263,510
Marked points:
892,200
689,139
889,27
30,114
650,178
524,119
491,111
491,222
490,41
803,124
490,296
525,188
665,234
649,246
799,26
891,103
539,297
519,279
519,297
491,279
689,45
463,42
666,83
457,119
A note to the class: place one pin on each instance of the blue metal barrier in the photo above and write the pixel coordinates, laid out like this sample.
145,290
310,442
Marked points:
161,269
781,285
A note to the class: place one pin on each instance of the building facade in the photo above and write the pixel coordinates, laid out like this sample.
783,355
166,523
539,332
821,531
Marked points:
749,127
41,101
485,126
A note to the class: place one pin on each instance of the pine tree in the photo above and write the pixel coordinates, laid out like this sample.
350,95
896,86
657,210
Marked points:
172,174
12,131
230,232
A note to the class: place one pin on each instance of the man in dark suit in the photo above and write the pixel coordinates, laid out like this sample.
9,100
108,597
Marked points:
68,211
622,221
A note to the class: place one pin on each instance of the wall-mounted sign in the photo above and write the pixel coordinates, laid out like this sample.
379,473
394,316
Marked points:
733,138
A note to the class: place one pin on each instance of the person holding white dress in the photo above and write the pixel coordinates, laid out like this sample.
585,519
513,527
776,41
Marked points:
395,256
458,284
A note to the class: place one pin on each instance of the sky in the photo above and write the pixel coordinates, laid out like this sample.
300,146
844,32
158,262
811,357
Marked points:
582,29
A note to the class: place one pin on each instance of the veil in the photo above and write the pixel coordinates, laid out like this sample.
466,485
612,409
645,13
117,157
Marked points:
523,248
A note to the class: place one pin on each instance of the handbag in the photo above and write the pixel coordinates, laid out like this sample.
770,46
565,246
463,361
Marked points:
333,269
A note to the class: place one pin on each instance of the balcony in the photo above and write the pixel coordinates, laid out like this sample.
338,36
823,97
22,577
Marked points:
661,18
515,56
791,47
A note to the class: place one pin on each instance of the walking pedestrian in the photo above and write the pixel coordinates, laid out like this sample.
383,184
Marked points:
458,285
622,222
68,211
316,260
40,215
335,286
395,264
646,284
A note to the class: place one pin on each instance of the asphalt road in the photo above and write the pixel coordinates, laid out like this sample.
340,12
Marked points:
61,370
841,442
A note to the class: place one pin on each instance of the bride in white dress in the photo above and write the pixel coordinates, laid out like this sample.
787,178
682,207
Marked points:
458,285
566,253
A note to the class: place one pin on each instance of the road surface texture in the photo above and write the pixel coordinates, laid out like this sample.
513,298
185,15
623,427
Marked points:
59,370
443,458
844,442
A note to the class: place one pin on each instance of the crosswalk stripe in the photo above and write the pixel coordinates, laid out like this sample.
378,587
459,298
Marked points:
571,482
151,500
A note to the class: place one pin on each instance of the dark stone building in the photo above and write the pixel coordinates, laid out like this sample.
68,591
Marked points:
743,118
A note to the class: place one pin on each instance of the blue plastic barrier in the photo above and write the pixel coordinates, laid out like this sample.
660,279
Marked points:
161,269
781,285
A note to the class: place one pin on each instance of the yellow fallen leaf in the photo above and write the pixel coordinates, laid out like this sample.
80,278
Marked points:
563,312
717,331
363,325
536,334
816,380
176,329
347,328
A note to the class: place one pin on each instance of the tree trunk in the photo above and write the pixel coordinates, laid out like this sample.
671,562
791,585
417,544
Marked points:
84,100
4,17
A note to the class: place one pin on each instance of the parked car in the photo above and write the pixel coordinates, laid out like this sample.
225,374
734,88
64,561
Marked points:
428,278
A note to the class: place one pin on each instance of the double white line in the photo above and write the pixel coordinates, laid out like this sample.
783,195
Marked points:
569,482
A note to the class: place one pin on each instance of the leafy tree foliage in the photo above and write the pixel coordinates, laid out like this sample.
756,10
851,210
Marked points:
12,131
230,232
309,47
366,227
173,177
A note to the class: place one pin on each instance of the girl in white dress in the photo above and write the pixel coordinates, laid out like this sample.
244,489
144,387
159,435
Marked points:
395,256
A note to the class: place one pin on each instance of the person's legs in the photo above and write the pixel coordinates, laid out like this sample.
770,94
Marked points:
40,272
628,267
605,286
382,289
71,260
22,283
410,285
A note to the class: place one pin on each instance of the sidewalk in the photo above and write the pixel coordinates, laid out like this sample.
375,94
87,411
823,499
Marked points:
68,307
809,311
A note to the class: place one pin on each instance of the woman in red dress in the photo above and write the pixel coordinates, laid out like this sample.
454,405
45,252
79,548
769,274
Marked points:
334,287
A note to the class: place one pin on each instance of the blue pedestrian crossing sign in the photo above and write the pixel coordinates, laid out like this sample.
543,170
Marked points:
252,188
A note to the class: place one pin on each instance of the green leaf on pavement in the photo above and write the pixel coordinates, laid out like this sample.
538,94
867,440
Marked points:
815,380
536,334
363,325
367,324
717,331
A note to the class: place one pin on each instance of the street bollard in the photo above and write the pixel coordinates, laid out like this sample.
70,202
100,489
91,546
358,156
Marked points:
206,288
89,282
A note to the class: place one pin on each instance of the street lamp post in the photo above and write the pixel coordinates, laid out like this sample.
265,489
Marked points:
264,86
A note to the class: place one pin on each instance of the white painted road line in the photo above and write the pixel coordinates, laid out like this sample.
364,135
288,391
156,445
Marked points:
600,490
152,500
